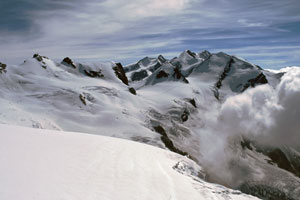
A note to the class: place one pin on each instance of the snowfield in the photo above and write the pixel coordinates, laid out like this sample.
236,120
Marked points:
44,164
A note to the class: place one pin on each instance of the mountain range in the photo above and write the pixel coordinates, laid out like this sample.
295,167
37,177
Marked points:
235,119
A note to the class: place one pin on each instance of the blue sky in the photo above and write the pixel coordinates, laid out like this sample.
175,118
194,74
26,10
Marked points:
266,33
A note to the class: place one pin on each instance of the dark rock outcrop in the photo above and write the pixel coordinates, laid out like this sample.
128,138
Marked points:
265,192
140,75
205,54
259,80
120,73
82,99
132,90
177,74
246,144
39,58
161,59
2,68
162,74
224,73
278,157
167,141
94,74
283,158
218,84
185,116
193,102
191,53
132,67
155,67
68,61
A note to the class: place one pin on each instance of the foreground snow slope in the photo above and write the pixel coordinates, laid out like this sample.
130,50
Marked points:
41,164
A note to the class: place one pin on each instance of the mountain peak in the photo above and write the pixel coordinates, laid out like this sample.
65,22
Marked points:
205,54
161,59
145,61
187,53
38,57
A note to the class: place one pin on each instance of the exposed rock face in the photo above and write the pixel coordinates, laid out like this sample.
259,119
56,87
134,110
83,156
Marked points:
167,72
2,68
167,141
177,74
155,67
162,74
205,55
68,61
224,74
259,80
145,66
132,68
218,84
283,157
264,192
120,73
140,75
185,116
191,53
39,58
94,74
132,90
226,70
246,144
193,102
161,59
278,157
82,99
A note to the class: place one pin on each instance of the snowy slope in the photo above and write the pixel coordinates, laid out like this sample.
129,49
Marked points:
40,164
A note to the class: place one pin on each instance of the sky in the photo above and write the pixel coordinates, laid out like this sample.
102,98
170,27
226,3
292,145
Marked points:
266,33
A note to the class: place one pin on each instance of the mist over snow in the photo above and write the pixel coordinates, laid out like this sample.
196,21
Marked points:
266,114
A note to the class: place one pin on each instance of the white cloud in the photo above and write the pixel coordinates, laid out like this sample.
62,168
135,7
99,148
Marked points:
119,25
264,114
285,69
158,7
145,8
245,22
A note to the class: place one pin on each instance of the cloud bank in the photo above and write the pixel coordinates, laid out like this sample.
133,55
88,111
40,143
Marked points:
264,115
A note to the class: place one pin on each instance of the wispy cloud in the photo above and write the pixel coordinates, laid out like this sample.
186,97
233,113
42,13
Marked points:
250,24
126,31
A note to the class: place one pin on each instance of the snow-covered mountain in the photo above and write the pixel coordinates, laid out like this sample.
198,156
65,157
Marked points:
221,111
